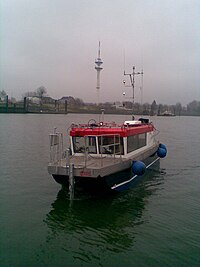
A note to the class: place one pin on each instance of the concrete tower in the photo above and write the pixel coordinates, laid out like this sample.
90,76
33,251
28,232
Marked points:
98,68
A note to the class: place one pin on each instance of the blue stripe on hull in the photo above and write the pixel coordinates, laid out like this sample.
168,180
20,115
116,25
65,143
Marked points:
126,184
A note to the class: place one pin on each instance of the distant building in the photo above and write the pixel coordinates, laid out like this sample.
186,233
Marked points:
118,105
69,99
48,100
33,99
36,100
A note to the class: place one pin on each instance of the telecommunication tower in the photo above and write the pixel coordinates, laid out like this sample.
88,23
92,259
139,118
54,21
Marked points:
98,68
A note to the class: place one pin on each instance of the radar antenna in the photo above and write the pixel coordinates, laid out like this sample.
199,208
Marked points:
132,80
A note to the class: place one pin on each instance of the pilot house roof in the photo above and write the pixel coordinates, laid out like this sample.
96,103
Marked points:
123,130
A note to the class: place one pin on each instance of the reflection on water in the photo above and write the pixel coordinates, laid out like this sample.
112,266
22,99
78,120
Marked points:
104,223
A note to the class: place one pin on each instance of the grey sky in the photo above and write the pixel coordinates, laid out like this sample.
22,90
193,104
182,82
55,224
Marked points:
54,44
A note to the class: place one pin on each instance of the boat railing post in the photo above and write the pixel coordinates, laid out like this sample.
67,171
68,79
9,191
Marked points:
86,149
59,147
101,151
62,147
56,146
71,181
53,147
50,150
114,147
67,158
120,148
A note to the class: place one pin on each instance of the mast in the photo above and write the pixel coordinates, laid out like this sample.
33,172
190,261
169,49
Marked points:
132,80
98,68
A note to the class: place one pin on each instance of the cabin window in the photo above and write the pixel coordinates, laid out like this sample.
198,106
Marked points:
136,141
81,143
92,148
109,144
142,139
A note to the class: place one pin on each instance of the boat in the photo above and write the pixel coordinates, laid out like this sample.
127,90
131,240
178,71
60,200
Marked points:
104,155
167,114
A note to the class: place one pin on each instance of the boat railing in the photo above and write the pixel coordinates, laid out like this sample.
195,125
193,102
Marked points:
56,147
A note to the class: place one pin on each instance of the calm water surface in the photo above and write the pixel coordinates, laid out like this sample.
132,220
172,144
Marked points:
156,223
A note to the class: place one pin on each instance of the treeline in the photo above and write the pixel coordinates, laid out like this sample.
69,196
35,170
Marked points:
191,109
38,101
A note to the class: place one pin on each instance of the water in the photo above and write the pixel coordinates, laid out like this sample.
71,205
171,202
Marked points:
157,223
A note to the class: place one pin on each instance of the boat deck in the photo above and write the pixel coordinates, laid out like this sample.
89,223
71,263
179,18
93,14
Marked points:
97,166
92,167
95,162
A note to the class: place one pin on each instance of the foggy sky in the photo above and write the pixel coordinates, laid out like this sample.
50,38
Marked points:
54,44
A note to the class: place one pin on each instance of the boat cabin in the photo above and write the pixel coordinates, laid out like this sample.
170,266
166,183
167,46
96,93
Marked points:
110,139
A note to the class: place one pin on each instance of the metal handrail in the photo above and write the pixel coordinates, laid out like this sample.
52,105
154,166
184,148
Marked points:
56,146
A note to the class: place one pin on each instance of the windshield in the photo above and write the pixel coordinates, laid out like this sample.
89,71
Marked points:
110,144
81,143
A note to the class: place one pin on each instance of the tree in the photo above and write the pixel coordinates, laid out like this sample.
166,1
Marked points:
146,108
79,102
153,108
3,94
178,108
41,91
160,109
194,107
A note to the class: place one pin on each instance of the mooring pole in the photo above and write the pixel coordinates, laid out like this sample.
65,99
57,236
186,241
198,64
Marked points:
25,104
71,181
7,103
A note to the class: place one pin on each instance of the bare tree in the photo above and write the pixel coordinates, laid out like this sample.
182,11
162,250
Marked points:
3,94
41,91
79,102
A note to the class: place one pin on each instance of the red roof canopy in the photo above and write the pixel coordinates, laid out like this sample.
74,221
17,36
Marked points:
122,131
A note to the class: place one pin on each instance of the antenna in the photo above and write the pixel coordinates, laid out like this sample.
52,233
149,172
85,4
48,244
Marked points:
132,80
124,60
99,50
141,87
98,68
